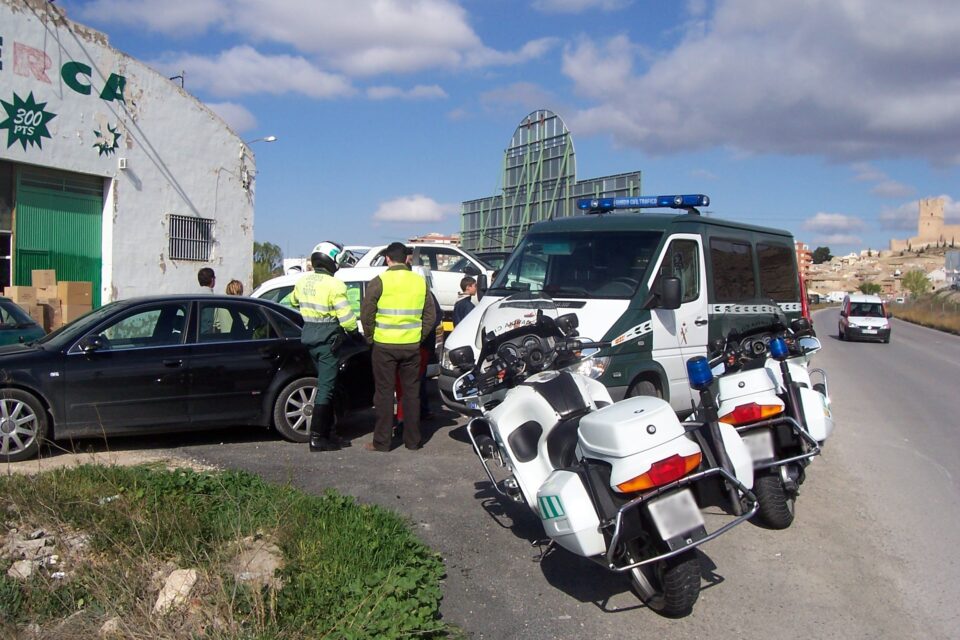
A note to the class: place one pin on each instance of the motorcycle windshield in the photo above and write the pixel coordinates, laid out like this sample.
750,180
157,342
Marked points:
513,312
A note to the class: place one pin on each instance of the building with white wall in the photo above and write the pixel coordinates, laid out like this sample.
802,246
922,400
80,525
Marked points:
109,171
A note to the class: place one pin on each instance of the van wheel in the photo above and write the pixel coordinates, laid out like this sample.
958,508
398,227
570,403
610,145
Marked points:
840,333
644,388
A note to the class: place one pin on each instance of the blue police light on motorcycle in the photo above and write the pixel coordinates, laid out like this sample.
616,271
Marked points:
778,348
699,373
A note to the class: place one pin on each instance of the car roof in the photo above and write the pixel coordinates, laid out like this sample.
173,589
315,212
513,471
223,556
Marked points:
346,274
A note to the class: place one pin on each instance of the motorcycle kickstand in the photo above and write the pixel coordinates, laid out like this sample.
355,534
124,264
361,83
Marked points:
544,552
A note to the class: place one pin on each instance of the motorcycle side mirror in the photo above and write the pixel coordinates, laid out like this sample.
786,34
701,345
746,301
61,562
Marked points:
481,285
809,344
462,357
669,292
800,325
568,323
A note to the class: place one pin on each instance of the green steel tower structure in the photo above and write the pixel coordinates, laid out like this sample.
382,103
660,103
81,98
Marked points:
539,183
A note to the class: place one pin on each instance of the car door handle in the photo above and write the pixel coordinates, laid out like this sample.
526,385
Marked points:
172,362
700,321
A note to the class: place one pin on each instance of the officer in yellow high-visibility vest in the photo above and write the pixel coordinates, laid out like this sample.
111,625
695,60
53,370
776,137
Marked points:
327,319
396,314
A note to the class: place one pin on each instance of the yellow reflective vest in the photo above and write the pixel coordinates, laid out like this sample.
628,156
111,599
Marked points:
399,317
323,299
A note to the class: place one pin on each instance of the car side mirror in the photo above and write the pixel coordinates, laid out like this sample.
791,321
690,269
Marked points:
568,323
669,292
481,285
91,343
462,357
471,270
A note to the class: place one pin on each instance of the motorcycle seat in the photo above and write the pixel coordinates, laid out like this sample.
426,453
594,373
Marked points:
562,442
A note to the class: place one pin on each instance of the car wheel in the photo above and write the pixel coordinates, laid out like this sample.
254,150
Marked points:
294,408
23,425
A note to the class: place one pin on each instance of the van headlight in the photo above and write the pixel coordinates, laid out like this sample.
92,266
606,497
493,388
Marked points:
591,367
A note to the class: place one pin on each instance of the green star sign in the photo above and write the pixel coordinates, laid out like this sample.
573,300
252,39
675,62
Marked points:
26,121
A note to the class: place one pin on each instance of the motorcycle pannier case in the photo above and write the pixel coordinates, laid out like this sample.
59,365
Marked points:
816,413
568,514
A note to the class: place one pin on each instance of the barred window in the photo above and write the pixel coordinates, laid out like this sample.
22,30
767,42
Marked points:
190,238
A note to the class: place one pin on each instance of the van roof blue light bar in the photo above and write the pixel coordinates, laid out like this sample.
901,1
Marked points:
603,205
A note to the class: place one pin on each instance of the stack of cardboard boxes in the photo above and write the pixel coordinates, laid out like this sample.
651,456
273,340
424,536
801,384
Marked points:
50,303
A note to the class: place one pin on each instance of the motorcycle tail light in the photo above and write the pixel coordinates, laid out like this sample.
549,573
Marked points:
752,412
662,472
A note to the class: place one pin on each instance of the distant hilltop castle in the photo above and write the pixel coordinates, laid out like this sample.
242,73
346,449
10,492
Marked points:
930,228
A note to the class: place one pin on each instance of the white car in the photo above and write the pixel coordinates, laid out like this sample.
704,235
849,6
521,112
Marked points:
447,263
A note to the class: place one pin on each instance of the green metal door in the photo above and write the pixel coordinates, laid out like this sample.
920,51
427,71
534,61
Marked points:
59,217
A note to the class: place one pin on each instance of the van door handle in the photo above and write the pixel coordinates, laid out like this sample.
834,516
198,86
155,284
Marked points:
172,362
700,321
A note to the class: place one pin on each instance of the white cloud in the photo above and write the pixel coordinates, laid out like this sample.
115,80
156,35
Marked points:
826,77
839,239
175,18
245,71
703,174
578,6
354,37
419,92
884,186
236,116
833,223
415,208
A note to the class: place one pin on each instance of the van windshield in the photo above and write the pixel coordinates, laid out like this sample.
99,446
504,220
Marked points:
579,265
866,310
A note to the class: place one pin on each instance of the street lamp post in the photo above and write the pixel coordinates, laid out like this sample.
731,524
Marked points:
246,176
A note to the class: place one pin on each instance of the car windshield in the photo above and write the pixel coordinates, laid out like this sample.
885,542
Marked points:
866,309
12,316
579,265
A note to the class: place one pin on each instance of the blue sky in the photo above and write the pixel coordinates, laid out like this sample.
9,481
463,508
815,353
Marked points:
830,118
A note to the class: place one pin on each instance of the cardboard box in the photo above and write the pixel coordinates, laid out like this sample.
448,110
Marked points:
47,294
36,313
75,293
44,278
23,296
70,312
52,319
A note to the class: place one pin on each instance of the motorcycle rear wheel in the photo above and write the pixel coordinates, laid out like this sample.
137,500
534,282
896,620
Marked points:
777,505
669,587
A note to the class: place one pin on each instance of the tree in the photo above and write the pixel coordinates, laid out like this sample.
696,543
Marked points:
870,288
869,253
821,255
916,282
267,262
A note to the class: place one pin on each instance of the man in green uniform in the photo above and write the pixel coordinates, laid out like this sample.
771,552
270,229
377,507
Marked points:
397,314
327,318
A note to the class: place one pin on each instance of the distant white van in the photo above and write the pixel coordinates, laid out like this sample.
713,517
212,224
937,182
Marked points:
864,317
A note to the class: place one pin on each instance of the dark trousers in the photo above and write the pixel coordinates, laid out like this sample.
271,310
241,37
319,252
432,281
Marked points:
390,363
424,405
326,362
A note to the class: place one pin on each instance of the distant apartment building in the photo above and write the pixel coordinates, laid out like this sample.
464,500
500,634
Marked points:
436,238
804,259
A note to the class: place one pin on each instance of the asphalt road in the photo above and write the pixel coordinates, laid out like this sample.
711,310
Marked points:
872,553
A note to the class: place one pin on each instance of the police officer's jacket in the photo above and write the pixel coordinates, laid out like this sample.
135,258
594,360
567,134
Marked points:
323,303
396,310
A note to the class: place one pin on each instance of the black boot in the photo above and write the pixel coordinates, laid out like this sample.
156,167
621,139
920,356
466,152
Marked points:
322,437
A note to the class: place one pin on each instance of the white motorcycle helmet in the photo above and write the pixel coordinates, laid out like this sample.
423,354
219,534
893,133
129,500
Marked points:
327,255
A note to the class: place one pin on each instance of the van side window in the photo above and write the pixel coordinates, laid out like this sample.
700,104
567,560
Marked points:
732,263
778,276
683,261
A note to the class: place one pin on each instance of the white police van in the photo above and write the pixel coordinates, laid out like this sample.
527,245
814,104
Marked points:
619,273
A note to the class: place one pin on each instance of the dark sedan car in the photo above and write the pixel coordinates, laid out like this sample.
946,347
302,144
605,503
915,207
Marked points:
167,363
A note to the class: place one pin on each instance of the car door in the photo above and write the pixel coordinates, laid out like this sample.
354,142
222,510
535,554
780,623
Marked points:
136,376
235,358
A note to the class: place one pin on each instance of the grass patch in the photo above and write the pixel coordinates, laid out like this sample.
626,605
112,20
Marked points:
939,312
351,570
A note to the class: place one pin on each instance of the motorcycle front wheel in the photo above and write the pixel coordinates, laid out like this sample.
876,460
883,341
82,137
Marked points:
669,587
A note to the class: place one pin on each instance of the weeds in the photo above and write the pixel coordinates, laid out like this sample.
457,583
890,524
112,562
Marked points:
351,570
936,312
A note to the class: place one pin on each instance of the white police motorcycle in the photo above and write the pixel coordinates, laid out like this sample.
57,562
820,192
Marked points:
614,482
767,394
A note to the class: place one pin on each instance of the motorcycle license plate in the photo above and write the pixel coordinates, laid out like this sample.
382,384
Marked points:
676,514
759,444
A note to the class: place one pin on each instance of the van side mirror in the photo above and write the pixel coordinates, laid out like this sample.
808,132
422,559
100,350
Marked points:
843,313
481,285
889,314
471,270
669,292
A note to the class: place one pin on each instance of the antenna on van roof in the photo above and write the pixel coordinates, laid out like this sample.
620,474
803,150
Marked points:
688,203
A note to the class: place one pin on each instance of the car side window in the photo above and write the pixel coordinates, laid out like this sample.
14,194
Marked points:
153,326
441,259
232,322
280,294
7,321
355,296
